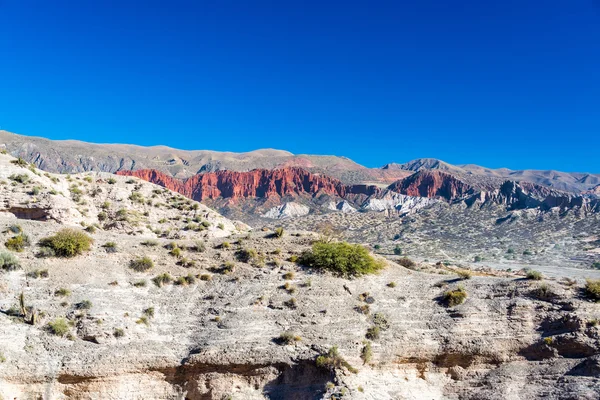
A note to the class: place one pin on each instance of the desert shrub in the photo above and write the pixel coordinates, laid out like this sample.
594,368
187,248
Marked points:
39,273
291,303
246,255
91,229
136,197
380,320
141,283
20,178
9,262
44,252
110,247
111,181
533,275
278,232
224,245
68,242
596,265
58,327
391,285
407,262
464,274
141,264
205,277
341,258
149,243
20,162
288,276
143,320
199,246
102,216
477,259
83,305
293,258
332,360
175,252
221,226
377,247
185,280
287,338
149,312
454,297
17,243
366,354
186,262
62,292
373,333
35,191
118,333
592,289
543,292
162,279
398,250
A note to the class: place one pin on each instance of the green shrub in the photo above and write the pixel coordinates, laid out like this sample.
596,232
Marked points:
596,265
186,280
141,283
68,242
58,327
288,276
21,178
533,275
110,247
44,252
221,226
62,292
162,279
39,273
398,250
391,285
175,252
141,264
199,246
84,305
454,297
17,243
111,181
9,262
149,243
341,258
205,277
278,233
332,360
592,289
149,312
102,215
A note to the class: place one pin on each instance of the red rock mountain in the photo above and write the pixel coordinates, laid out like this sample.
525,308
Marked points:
432,183
258,183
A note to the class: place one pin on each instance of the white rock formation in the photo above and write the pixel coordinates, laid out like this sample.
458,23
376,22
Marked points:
287,210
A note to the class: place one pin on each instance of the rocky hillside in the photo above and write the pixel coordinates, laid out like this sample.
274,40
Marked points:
172,301
71,156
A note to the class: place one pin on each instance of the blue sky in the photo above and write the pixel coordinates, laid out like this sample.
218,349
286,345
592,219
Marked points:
502,84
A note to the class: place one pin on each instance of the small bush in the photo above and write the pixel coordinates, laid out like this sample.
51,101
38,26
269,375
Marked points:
141,283
278,233
596,265
366,354
58,327
68,242
291,303
149,312
175,252
341,258
221,226
141,264
162,279
17,243
592,289
391,285
62,292
332,360
9,262
110,247
199,247
111,181
288,276
39,273
149,243
455,297
373,333
464,274
45,252
84,305
287,338
533,275
246,255
118,333
21,178
407,263
186,280
102,216
205,277
398,250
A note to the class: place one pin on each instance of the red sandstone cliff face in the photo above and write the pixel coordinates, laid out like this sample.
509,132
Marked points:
431,184
261,183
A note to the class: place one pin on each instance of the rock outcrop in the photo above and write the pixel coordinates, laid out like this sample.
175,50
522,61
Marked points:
287,210
428,183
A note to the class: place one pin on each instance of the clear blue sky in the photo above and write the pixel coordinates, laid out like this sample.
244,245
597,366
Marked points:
498,83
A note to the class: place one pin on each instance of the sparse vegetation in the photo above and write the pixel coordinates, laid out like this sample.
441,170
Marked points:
118,333
332,360
341,258
287,338
110,247
407,263
373,333
149,243
62,292
58,327
533,275
141,264
68,242
464,274
9,262
366,354
454,297
398,250
278,232
162,279
17,243
592,289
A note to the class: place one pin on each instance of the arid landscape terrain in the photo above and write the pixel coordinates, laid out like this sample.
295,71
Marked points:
153,273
